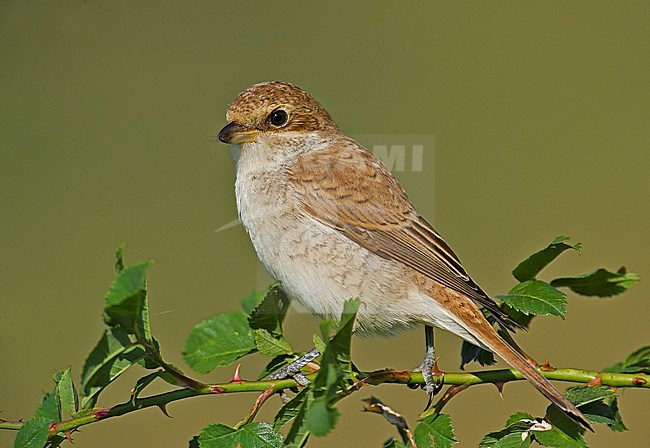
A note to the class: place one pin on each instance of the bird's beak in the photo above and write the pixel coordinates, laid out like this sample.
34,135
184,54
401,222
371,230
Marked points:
235,133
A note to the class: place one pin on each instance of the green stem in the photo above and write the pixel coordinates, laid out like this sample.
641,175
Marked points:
374,378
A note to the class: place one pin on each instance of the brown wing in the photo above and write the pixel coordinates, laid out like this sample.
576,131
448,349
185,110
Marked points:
347,188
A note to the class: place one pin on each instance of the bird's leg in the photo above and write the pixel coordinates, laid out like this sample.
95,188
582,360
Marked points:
432,376
293,369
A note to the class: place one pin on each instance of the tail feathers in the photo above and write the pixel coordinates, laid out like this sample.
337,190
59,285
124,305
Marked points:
495,343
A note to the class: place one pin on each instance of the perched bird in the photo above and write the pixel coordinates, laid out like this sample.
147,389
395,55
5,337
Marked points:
330,222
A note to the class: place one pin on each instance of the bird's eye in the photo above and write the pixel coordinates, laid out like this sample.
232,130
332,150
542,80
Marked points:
278,117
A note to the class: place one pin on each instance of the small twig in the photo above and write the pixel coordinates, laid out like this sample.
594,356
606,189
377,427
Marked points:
618,380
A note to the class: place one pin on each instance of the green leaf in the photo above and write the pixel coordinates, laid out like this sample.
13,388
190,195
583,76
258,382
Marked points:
435,431
290,409
270,314
321,417
273,365
113,354
582,395
555,437
33,434
251,435
514,440
517,425
598,403
218,341
126,302
637,362
337,351
67,393
601,283
49,408
251,300
470,352
298,433
536,297
142,383
392,443
319,344
519,317
119,259
530,267
268,345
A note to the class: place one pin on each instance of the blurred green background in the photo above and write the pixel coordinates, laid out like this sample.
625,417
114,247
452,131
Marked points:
109,111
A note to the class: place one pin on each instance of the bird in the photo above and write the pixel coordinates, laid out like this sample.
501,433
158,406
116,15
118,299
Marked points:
330,222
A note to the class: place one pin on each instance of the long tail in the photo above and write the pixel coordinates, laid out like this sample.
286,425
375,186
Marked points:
492,340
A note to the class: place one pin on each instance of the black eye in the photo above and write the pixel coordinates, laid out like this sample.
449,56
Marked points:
278,117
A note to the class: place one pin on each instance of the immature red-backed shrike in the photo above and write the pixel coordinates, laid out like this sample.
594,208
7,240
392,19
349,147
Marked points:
330,222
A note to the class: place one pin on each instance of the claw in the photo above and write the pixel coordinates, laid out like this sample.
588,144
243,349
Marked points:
293,369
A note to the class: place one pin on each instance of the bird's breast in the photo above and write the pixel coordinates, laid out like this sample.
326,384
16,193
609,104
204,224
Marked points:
317,265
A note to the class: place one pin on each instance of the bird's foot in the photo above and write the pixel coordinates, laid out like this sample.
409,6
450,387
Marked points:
293,370
433,377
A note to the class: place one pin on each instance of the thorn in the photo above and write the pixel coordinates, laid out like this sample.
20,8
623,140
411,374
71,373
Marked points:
547,367
52,427
435,370
217,390
68,436
163,408
597,381
236,378
499,385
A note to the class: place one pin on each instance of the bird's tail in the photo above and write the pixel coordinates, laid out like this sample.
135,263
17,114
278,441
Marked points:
494,342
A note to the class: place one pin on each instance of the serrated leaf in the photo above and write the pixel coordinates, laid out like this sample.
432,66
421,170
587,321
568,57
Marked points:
290,409
530,267
319,344
519,317
600,283
113,354
33,434
337,351
514,440
49,408
582,395
126,302
435,431
119,259
470,352
637,362
555,437
516,424
321,417
250,435
67,392
251,300
298,433
269,345
270,313
218,341
518,417
536,297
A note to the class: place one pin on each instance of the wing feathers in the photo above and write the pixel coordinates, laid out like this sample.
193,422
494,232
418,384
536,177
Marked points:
361,198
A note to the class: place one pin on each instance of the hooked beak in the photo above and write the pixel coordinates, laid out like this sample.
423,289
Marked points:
235,133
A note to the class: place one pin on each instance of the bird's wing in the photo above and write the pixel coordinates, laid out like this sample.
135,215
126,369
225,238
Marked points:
347,188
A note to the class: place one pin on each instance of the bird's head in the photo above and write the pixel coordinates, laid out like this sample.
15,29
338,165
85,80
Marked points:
273,108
